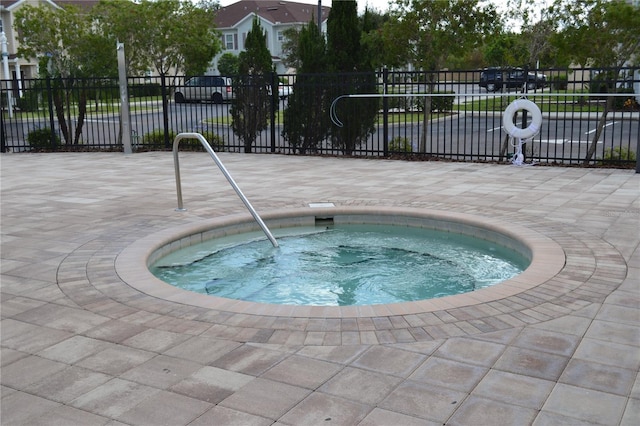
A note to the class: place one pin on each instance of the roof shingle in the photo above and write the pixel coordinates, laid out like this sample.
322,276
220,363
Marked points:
273,11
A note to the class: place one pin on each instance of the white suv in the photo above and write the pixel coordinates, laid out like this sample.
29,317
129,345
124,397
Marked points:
205,88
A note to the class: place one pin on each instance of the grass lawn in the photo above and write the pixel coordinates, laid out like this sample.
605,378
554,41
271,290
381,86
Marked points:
559,103
556,103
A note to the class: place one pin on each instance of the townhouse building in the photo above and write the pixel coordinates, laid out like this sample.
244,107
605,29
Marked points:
235,20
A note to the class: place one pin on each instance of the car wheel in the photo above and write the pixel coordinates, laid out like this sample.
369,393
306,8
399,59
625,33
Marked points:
491,87
531,85
179,98
216,98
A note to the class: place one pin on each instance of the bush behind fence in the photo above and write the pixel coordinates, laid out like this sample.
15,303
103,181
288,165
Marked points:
464,121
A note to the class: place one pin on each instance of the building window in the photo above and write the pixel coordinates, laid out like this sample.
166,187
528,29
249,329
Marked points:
228,41
280,36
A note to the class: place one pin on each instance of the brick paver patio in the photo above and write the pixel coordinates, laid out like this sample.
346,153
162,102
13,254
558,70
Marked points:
80,345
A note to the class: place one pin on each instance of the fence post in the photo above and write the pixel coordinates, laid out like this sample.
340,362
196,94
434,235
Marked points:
165,111
3,144
638,154
385,113
52,124
274,105
525,89
5,66
125,115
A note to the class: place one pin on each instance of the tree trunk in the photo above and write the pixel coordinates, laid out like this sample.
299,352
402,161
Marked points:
425,124
62,121
248,146
82,112
67,95
427,113
599,129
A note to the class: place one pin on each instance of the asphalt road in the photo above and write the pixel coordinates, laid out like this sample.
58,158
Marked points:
459,136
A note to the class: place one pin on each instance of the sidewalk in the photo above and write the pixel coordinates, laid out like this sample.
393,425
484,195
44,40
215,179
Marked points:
80,346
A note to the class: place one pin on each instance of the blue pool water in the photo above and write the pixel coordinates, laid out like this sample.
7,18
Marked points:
340,265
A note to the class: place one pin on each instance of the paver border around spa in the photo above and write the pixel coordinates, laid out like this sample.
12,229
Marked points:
576,271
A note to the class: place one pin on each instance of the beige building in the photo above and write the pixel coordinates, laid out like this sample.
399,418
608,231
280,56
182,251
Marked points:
21,68
233,21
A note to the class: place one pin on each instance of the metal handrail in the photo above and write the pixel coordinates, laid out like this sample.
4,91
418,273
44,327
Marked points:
224,171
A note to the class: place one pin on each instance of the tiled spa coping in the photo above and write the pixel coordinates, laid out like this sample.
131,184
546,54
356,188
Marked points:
578,271
547,259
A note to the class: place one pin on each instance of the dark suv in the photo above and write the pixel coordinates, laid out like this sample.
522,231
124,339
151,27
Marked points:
494,79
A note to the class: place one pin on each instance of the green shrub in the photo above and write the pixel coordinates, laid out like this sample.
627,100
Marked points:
41,139
442,103
399,144
144,90
602,83
559,82
620,102
438,103
216,142
156,137
29,102
403,103
618,155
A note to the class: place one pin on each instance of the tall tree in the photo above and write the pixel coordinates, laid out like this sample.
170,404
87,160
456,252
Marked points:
371,39
541,52
425,33
228,64
168,35
64,41
199,42
343,37
252,105
291,58
505,49
601,34
346,57
529,19
306,118
125,23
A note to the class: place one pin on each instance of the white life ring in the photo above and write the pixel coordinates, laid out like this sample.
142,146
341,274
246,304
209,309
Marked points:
517,132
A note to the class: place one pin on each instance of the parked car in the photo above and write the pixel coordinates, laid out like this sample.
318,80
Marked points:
494,79
284,91
205,88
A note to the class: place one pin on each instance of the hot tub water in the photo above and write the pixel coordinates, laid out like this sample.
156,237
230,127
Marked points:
340,265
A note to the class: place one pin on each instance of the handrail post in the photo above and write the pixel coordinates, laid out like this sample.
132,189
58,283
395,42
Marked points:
226,174
176,164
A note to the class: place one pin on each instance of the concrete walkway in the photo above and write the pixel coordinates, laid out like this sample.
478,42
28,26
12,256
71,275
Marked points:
80,346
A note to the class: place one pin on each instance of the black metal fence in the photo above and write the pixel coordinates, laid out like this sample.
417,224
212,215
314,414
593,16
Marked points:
464,121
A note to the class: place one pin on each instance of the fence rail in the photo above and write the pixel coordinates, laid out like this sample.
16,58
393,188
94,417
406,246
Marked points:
463,120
